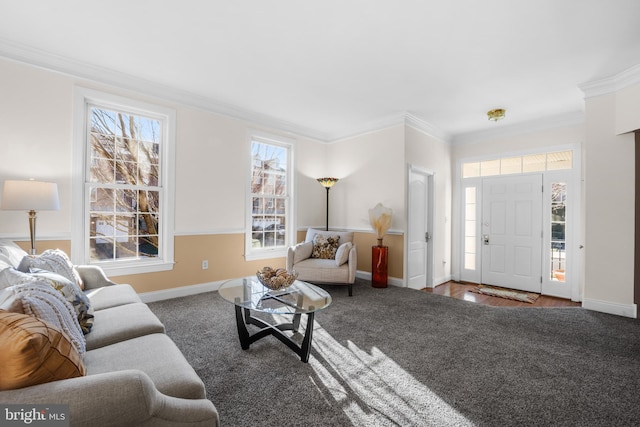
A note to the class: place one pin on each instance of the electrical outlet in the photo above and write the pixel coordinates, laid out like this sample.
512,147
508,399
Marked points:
205,264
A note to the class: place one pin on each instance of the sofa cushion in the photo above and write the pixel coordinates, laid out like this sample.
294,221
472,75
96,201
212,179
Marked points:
325,247
155,355
323,271
121,323
112,296
41,300
34,352
52,260
342,254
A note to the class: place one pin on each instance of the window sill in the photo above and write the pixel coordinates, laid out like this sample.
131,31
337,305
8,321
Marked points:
117,269
266,254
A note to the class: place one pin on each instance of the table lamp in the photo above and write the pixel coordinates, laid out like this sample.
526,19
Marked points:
30,196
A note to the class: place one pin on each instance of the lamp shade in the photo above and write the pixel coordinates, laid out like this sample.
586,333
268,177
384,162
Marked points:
327,182
30,195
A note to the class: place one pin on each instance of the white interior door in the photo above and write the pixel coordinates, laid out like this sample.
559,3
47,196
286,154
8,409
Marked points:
512,232
419,269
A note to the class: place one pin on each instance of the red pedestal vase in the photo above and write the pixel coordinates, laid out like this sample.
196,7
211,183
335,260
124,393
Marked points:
379,262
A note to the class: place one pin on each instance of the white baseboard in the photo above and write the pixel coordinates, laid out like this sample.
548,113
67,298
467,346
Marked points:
440,280
182,291
391,280
626,310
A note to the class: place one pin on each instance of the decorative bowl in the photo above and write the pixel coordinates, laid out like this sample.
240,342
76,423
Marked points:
275,279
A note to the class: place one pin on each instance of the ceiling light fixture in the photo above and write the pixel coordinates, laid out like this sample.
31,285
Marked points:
497,114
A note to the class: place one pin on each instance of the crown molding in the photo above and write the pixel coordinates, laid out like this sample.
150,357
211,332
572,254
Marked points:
372,126
611,84
81,70
426,127
403,118
78,69
547,123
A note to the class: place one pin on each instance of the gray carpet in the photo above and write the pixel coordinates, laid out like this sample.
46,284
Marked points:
401,357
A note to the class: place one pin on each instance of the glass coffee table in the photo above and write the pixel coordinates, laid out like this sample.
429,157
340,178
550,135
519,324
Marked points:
248,294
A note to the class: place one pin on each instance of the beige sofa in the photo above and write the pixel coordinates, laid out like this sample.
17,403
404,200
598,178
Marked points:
135,374
338,270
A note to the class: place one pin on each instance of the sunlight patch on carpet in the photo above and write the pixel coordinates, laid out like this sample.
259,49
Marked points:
511,294
372,389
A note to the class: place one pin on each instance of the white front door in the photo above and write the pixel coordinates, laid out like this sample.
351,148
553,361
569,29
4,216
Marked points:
419,267
512,232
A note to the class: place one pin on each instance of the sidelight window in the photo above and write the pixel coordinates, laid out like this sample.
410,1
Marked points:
558,230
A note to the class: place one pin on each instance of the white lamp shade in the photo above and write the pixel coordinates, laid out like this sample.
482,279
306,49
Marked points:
30,195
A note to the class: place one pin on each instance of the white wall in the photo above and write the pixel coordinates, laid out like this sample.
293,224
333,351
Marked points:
35,142
609,209
212,155
431,154
371,171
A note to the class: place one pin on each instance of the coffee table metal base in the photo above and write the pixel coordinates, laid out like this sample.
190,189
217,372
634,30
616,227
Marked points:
244,317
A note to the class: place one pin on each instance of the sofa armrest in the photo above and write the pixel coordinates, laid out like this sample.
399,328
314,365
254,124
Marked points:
93,276
126,397
353,264
291,252
298,253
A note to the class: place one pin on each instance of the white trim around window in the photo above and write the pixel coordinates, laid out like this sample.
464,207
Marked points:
83,98
252,252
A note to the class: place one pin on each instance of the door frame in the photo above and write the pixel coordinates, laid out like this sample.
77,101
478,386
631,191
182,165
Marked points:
430,197
575,233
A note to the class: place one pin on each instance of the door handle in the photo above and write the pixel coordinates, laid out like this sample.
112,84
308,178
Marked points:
427,236
485,239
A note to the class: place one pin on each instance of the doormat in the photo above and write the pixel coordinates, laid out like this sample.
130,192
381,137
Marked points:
511,294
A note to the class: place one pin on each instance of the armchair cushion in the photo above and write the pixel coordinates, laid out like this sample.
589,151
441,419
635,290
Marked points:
345,236
325,247
342,254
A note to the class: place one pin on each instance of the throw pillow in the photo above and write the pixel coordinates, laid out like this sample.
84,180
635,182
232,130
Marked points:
10,277
325,247
10,252
52,260
34,352
302,251
72,293
9,302
342,254
40,300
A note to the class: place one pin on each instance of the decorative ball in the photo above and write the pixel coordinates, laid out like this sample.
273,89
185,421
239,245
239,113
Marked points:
276,278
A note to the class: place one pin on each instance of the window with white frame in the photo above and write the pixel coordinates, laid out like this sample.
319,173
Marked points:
126,193
269,222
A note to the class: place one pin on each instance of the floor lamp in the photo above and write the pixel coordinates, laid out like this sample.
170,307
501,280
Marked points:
30,196
327,183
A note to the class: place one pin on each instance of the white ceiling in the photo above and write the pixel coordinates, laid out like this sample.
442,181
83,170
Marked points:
330,68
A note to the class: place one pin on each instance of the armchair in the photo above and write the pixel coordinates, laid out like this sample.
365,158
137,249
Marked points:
340,270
